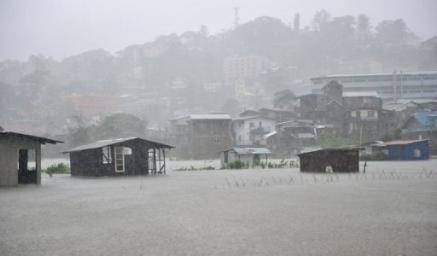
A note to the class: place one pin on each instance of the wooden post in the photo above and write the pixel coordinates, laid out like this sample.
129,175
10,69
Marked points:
159,160
163,154
154,161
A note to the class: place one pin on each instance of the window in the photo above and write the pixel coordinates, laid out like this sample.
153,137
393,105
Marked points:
371,113
107,156
119,159
417,153
251,125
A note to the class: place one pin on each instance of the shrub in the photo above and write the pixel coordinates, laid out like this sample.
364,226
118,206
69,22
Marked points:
60,168
374,157
236,165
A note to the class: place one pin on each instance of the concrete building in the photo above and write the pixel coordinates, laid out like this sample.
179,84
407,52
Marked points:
250,130
241,67
20,158
363,115
389,86
201,136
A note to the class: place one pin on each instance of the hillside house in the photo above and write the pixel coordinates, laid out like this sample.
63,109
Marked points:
251,130
422,125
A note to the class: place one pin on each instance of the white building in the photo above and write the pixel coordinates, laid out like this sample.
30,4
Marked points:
250,130
388,86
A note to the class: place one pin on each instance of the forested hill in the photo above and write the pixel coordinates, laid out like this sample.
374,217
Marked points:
37,89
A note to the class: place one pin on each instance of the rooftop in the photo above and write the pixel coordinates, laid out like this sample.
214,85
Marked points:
361,94
373,75
209,117
41,140
401,142
104,143
250,150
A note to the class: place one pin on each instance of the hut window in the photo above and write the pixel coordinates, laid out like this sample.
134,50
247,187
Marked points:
107,157
417,152
127,151
119,159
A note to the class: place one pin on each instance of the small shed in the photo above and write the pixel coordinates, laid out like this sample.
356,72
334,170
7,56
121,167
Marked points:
20,158
119,157
407,149
250,155
330,160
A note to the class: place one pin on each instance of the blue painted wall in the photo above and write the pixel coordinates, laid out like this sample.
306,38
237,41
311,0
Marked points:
407,152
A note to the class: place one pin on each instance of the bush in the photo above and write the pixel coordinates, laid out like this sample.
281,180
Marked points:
374,157
60,168
236,165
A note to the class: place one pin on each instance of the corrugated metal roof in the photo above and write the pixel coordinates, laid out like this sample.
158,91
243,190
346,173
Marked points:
209,116
426,118
310,151
401,142
251,117
361,94
250,150
41,140
104,143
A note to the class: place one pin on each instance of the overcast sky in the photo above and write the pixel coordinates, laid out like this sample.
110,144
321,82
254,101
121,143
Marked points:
60,28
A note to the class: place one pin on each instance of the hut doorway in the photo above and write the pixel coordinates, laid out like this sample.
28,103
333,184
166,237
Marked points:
27,173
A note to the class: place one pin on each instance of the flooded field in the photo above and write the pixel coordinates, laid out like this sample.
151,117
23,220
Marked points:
389,210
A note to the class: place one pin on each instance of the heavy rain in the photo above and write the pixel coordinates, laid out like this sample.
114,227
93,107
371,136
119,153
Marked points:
227,127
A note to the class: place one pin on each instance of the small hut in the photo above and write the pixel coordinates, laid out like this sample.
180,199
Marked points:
330,160
119,157
20,158
250,155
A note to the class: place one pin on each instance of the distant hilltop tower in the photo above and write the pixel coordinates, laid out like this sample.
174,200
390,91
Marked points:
236,17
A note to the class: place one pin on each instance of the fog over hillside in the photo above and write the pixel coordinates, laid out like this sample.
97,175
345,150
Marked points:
63,28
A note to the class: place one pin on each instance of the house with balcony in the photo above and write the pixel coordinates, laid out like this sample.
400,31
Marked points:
251,130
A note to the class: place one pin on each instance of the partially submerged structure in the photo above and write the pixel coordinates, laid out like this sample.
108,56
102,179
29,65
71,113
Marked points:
330,160
20,158
249,155
406,149
114,157
201,136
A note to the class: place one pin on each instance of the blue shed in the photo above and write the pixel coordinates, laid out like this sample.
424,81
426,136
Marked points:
407,149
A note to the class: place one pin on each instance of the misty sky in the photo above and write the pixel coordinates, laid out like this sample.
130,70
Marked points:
60,28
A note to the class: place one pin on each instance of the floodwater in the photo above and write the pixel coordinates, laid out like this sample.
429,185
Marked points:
389,210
